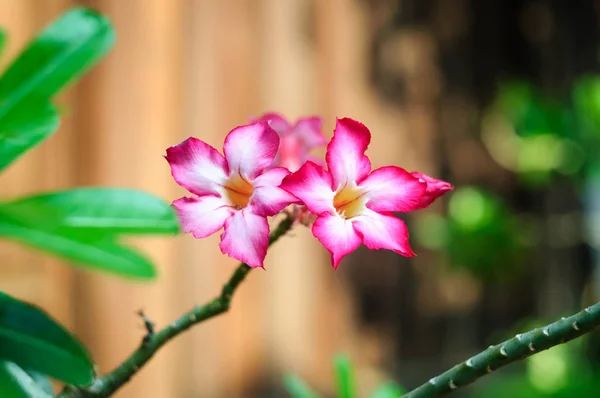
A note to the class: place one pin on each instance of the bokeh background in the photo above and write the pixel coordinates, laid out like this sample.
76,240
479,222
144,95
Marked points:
501,98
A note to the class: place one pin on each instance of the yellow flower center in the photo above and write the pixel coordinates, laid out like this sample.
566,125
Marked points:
349,201
238,190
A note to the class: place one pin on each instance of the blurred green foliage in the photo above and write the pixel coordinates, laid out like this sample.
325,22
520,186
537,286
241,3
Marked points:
480,235
345,383
536,134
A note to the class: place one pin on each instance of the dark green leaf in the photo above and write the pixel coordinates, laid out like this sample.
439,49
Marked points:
298,387
95,210
63,51
31,339
344,375
388,390
16,383
93,250
24,128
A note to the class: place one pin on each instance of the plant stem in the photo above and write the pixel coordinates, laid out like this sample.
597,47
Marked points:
105,386
519,347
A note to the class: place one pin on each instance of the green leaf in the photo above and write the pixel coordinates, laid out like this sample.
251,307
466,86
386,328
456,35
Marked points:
24,128
389,390
97,251
81,225
2,40
344,375
17,383
95,210
42,381
63,51
298,387
31,339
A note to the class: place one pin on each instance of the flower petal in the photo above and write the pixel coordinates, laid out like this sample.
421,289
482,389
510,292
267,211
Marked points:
250,149
435,189
268,199
292,153
277,122
345,156
392,189
383,231
246,237
202,216
337,235
197,166
312,185
309,130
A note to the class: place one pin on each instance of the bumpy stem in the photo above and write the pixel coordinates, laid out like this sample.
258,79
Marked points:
105,386
519,347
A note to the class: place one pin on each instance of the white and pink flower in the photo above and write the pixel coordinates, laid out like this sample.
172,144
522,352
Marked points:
233,192
297,140
238,191
353,204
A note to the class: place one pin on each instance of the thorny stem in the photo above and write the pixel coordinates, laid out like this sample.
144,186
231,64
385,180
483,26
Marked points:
106,385
519,347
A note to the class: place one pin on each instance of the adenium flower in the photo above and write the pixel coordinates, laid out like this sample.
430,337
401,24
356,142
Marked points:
353,204
233,191
297,140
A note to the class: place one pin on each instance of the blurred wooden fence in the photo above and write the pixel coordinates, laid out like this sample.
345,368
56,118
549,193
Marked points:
201,67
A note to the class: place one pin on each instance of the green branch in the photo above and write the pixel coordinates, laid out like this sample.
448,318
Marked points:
519,347
105,386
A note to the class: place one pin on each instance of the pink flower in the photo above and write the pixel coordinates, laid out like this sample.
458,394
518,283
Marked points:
296,140
435,188
232,191
354,204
